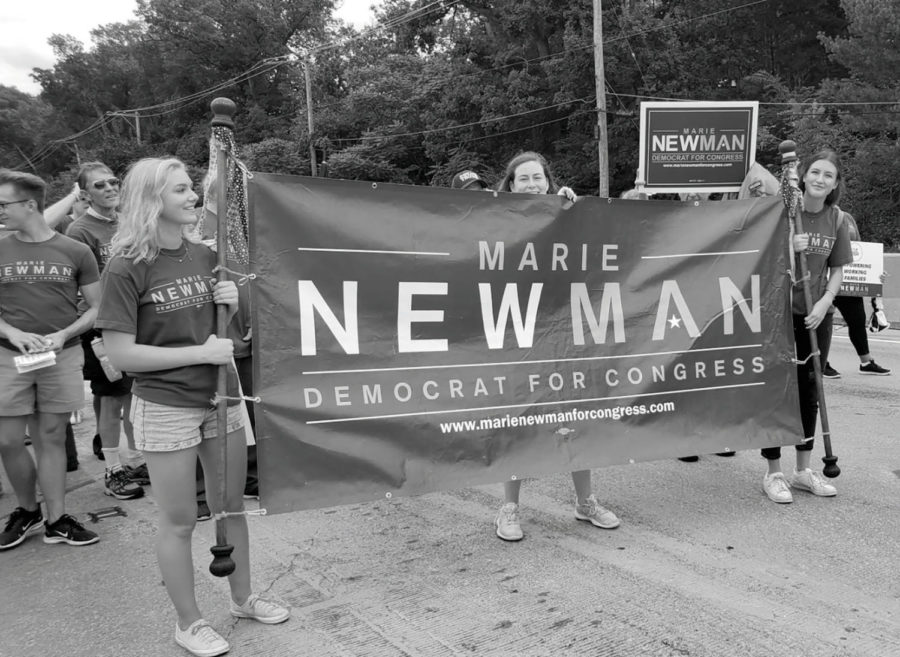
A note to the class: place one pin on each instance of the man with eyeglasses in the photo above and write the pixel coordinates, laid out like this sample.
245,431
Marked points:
96,228
41,274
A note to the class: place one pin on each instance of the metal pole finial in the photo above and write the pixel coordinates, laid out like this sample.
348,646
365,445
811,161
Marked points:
788,150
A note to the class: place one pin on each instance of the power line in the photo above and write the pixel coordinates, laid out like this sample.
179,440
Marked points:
786,103
695,18
260,68
621,17
582,112
264,66
463,125
390,23
590,46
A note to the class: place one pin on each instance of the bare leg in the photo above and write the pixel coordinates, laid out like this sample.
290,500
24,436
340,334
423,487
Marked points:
95,403
235,526
126,423
582,481
109,422
17,461
172,476
50,449
511,490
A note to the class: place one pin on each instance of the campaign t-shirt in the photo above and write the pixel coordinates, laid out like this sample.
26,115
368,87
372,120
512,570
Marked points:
39,283
165,303
829,246
96,233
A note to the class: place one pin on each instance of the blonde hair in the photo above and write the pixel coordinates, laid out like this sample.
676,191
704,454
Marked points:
141,206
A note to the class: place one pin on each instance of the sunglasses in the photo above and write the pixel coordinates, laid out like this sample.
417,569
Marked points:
101,184
3,205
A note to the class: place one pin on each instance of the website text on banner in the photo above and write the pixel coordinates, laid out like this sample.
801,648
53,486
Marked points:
416,339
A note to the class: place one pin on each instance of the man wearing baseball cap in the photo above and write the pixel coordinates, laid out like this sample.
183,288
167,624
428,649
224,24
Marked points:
468,180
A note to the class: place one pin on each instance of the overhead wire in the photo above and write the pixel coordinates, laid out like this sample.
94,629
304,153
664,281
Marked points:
259,68
463,125
390,23
581,112
267,65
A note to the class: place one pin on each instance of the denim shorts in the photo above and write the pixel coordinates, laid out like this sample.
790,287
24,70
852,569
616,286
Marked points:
55,389
162,428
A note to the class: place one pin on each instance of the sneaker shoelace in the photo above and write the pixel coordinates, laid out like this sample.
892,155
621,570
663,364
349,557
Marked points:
590,507
16,516
67,522
120,477
260,606
815,479
205,632
779,484
510,514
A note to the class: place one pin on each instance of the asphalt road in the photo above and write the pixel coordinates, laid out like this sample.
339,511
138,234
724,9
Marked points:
702,565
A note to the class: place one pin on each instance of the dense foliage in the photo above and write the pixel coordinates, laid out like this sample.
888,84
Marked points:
453,84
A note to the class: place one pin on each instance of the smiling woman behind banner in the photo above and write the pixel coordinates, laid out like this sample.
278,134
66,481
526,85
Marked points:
529,173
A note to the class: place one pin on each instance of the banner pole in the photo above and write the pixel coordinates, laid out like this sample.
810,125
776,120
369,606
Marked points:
793,200
223,109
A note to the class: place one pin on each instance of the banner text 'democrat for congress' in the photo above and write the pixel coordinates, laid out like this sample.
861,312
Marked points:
414,339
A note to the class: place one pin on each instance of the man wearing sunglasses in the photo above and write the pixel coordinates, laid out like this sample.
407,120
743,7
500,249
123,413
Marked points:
96,228
41,275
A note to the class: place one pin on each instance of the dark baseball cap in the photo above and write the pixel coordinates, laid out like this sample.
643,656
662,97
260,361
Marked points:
467,179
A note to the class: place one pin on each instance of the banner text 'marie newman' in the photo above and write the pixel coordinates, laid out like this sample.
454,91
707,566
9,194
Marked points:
495,323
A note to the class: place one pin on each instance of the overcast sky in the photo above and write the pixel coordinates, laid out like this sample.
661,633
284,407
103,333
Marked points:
25,26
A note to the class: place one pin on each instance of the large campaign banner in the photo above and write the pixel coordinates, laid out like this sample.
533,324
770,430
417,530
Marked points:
697,146
413,339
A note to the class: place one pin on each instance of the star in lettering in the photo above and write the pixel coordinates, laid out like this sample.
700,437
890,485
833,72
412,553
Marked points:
674,322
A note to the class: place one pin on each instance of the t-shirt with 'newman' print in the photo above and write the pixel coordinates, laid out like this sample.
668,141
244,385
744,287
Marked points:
829,246
165,303
96,232
39,283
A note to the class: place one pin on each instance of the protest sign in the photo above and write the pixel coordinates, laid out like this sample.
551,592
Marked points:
411,339
697,146
862,277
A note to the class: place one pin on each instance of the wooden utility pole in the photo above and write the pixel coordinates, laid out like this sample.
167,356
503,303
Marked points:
307,73
137,127
600,82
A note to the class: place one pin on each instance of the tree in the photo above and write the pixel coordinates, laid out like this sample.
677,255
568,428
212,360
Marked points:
25,123
867,136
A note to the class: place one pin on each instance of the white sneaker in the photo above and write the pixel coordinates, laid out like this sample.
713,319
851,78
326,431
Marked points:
812,482
776,487
201,639
595,514
261,609
508,527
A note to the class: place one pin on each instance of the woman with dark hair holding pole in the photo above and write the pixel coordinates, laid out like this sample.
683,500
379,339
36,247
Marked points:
820,248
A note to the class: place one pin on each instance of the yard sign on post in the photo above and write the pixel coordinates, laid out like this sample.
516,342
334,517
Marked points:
700,147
